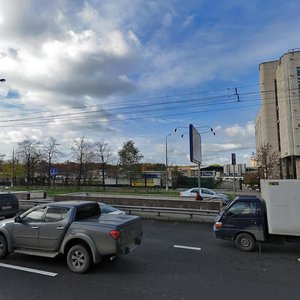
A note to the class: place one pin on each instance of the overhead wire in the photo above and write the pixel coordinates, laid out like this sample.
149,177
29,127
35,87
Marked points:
144,109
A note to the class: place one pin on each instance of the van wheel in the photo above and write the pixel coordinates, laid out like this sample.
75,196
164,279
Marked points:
79,259
245,242
3,247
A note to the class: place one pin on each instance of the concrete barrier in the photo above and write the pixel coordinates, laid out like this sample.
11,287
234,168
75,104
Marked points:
27,195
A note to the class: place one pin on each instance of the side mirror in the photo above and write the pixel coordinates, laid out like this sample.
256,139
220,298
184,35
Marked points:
229,214
18,219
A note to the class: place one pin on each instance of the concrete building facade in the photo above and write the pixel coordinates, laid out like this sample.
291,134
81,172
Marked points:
278,119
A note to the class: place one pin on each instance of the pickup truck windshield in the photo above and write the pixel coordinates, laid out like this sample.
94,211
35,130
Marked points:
87,211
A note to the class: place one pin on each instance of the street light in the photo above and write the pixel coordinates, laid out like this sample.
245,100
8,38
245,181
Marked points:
198,127
167,161
13,167
212,131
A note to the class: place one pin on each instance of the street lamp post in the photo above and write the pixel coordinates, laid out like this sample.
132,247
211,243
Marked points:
207,131
167,175
198,127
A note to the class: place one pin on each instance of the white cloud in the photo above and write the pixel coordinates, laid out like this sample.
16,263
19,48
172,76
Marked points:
58,55
188,21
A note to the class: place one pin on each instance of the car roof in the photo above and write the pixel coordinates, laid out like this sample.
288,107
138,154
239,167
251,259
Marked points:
247,198
69,204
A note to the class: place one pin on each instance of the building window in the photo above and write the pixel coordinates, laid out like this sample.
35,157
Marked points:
298,76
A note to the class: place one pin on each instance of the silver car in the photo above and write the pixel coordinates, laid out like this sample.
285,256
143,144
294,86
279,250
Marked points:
206,194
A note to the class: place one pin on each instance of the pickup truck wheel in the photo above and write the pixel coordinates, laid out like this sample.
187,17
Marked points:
3,247
78,259
245,242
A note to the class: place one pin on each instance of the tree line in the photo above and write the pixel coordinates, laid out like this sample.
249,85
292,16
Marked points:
32,161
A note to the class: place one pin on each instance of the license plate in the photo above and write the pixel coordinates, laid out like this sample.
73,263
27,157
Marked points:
6,207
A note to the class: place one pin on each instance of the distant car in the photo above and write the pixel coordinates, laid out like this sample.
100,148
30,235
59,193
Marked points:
108,209
206,194
9,205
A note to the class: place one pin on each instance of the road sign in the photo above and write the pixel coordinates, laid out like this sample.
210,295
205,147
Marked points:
233,159
53,171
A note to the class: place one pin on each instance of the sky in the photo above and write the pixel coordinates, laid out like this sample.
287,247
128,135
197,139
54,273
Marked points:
135,70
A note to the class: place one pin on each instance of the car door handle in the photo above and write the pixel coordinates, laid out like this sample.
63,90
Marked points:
35,227
60,227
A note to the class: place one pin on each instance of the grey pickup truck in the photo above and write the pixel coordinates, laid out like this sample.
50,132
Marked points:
76,229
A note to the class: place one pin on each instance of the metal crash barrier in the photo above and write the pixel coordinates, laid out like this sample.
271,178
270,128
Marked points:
148,212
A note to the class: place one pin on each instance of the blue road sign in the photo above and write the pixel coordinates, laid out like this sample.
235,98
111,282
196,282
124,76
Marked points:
53,171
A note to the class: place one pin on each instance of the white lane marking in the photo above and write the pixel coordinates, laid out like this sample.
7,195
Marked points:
28,270
187,247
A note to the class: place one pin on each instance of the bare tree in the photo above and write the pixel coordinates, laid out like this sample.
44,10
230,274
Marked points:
267,161
29,153
82,154
50,151
103,153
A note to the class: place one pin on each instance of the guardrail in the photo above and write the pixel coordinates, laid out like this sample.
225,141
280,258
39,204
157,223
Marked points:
167,210
159,211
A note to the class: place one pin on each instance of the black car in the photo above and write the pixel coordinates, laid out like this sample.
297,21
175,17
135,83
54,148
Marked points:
9,205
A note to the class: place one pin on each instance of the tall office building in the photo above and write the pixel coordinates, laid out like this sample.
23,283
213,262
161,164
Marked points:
278,119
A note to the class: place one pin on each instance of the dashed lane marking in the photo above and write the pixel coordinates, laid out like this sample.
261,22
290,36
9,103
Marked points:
187,247
41,272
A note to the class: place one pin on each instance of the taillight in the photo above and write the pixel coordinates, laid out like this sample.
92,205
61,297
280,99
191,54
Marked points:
218,225
115,234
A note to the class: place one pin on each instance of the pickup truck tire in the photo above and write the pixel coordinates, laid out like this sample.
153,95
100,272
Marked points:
245,242
3,247
79,259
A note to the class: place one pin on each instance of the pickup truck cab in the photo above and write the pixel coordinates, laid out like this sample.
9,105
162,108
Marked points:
242,221
76,229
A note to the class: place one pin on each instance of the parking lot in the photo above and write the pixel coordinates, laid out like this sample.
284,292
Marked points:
175,261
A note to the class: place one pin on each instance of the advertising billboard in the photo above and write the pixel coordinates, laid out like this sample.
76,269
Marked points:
195,145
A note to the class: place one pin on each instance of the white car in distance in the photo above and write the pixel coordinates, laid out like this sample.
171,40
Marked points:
206,194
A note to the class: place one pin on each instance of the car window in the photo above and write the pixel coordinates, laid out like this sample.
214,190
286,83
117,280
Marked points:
87,211
55,214
205,191
242,209
106,208
194,190
35,216
8,197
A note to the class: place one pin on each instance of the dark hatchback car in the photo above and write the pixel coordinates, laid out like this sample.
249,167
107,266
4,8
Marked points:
9,205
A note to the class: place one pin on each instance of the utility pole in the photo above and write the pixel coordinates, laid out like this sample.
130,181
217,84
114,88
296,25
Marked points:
167,175
233,162
13,168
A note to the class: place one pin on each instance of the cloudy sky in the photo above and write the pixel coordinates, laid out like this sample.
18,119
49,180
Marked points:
136,70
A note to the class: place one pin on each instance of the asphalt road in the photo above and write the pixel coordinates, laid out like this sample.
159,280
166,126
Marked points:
161,268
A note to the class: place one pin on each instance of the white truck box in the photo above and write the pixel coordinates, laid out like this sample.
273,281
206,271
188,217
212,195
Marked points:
282,198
